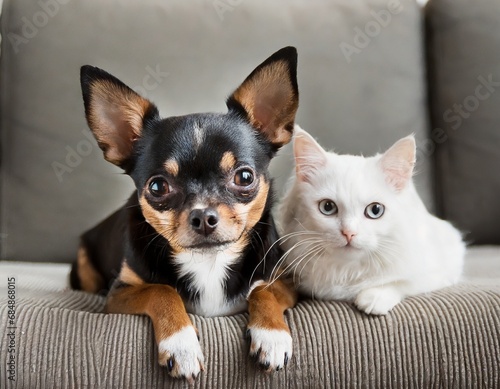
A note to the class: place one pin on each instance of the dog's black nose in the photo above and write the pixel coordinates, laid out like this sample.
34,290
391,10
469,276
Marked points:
204,221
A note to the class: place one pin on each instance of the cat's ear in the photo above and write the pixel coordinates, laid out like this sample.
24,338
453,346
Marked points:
309,155
398,162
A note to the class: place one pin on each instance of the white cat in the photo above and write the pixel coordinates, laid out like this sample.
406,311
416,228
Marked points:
355,229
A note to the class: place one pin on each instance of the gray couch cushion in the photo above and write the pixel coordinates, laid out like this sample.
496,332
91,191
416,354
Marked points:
464,65
449,338
359,93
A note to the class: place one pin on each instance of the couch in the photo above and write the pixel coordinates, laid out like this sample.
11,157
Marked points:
370,72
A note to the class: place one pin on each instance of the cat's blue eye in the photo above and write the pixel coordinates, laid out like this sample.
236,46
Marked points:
374,211
328,207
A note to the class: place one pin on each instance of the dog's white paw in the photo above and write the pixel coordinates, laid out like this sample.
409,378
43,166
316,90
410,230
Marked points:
271,348
181,354
377,301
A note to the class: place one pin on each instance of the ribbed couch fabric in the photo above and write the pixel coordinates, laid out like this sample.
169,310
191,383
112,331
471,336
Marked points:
446,339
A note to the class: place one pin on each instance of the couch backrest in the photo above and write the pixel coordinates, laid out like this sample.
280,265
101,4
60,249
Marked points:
361,81
463,45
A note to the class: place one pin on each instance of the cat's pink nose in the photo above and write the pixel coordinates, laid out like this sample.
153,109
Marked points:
349,235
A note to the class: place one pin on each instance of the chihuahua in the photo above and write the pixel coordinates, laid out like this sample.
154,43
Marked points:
197,236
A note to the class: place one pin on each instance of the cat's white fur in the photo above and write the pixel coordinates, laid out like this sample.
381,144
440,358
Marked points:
405,252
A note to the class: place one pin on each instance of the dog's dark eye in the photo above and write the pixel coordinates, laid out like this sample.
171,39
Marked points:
244,177
158,187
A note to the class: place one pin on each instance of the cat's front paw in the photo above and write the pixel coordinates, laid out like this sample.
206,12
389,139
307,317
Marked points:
181,354
271,348
377,301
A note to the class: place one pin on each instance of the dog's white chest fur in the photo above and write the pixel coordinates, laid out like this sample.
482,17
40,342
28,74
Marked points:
207,273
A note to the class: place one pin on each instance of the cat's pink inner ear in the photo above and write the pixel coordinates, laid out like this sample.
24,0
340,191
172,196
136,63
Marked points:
309,155
398,162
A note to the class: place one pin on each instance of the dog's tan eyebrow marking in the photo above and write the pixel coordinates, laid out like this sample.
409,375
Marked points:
198,136
227,161
172,167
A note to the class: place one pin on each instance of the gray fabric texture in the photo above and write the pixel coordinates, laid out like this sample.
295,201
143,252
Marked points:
446,339
463,43
187,57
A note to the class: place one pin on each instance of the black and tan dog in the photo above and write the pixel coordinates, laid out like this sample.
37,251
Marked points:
197,235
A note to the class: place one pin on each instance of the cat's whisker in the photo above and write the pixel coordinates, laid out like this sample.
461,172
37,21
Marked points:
296,263
278,241
307,258
391,251
308,241
274,274
375,260
305,229
392,248
312,254
298,259
313,270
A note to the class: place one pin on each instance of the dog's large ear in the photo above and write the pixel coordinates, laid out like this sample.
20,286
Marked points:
269,96
115,113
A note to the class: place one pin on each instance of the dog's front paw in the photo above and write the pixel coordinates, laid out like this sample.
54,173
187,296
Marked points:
271,348
377,301
181,354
